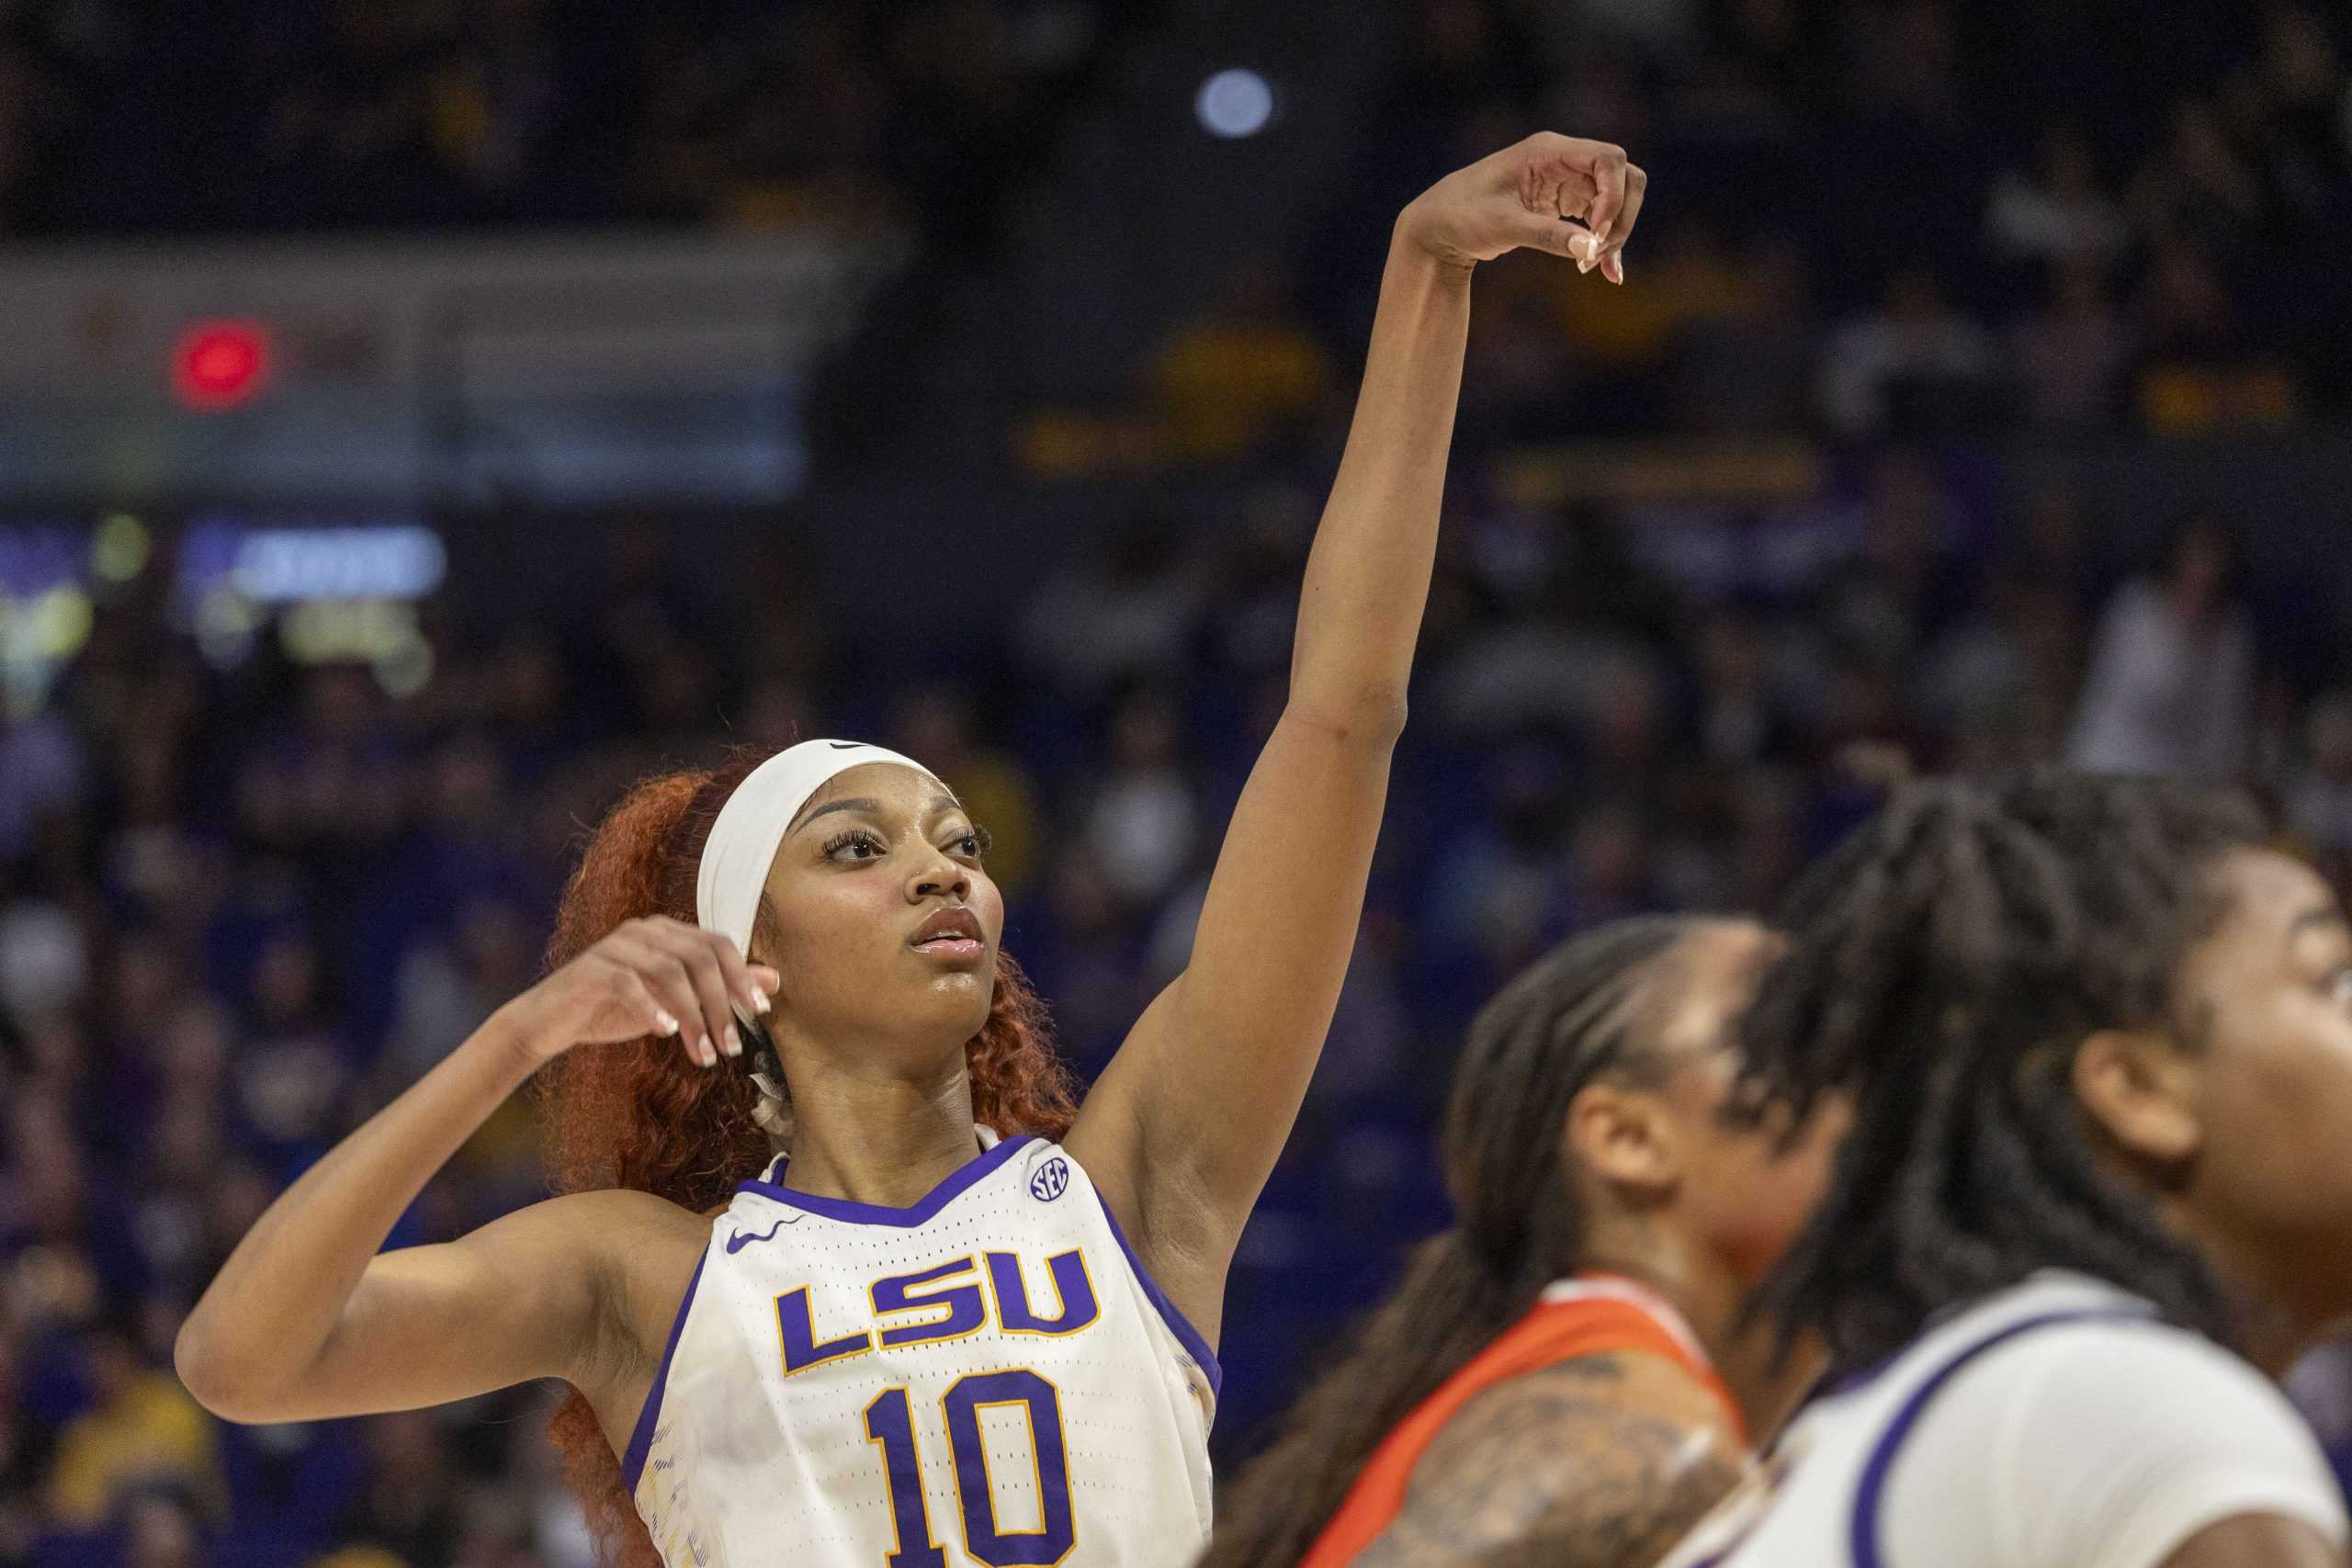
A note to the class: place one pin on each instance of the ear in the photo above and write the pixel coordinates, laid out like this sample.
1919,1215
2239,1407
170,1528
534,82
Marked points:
1624,1137
2141,1091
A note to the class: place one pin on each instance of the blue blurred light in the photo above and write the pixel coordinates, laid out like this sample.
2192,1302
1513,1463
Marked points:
1234,103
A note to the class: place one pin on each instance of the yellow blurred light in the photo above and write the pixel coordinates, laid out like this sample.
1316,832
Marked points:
406,668
225,623
329,631
119,549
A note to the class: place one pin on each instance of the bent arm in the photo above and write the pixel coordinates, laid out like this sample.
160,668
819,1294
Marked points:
307,1320
1183,1127
1602,1462
2257,1540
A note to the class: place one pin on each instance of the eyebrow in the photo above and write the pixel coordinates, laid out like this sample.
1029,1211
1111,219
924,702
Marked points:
939,803
2316,916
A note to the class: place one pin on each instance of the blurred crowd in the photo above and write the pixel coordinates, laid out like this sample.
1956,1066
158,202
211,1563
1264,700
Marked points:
247,115
1870,218
239,907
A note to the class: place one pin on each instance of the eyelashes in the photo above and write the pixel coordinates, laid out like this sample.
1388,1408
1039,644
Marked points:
858,838
979,838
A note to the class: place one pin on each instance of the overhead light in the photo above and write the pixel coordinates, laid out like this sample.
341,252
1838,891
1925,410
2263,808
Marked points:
1234,103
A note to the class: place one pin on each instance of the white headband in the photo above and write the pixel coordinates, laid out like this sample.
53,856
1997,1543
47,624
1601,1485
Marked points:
743,843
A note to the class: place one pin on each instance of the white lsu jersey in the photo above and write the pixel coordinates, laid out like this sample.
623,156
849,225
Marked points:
2056,1424
985,1377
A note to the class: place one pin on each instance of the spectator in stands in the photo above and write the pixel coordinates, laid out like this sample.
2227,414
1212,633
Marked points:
2073,356
2199,369
2058,212
2171,678
1905,363
1241,372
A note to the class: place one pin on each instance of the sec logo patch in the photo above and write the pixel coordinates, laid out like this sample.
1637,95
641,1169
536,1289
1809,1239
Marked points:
1051,1180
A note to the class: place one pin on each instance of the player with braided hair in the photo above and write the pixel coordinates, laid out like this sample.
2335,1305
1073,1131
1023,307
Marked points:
2098,1043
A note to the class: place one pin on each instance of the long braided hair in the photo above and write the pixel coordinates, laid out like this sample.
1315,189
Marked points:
1558,1026
1946,961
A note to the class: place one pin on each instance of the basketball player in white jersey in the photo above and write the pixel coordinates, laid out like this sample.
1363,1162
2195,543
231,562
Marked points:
937,1319
2095,1199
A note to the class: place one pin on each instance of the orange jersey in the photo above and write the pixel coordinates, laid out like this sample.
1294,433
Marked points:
1591,1315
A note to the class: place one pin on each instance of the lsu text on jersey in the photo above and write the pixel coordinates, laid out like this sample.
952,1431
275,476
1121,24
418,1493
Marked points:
985,1377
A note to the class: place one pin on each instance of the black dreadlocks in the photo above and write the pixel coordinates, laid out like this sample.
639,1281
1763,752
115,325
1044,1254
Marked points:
1947,960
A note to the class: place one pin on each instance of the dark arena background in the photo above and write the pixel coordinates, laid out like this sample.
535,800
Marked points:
419,418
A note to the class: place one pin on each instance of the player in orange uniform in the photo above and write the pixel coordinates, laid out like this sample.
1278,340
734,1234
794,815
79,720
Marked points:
1558,1379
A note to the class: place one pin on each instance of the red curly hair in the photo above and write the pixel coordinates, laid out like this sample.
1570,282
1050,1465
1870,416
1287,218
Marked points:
638,1115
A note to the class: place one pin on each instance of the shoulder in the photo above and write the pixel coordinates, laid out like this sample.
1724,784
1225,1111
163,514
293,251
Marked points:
2128,1374
618,1221
2109,1442
1599,1460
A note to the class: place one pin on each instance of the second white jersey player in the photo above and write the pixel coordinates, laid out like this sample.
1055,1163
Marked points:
2053,1425
985,1377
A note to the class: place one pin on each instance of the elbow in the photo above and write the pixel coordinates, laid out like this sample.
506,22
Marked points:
1367,717
227,1384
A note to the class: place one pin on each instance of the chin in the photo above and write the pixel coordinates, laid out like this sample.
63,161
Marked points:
960,1001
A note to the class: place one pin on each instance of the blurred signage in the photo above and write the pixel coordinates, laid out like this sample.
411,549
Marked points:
607,314
281,565
589,369
219,365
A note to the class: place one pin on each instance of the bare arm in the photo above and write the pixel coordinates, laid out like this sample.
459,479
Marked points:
1603,1461
2256,1540
307,1319
1185,1125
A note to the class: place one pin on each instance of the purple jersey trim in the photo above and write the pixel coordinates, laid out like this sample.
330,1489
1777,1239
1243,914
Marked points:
1862,1536
921,1213
1186,1335
640,1438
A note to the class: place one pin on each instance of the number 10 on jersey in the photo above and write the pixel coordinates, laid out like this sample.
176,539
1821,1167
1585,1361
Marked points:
889,1425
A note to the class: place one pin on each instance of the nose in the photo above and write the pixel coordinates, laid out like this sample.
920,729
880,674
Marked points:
939,876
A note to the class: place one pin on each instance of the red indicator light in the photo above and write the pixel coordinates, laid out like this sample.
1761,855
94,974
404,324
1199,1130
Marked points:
221,365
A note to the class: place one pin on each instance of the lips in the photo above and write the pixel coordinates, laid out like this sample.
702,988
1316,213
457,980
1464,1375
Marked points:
949,932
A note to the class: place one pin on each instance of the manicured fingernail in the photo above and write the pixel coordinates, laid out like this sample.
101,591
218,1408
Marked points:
759,999
734,1042
705,1055
667,1024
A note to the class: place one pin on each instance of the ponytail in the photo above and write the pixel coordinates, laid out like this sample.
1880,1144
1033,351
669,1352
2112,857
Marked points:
637,1115
1531,1049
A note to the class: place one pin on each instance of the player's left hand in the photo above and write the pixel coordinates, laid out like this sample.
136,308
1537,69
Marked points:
1524,195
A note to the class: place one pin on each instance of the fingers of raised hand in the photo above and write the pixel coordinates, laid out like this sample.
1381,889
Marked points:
1568,176
1613,249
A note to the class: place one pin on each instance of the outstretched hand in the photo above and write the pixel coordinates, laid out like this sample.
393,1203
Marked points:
1527,195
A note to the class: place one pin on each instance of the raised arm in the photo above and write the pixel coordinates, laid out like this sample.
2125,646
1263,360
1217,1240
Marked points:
1184,1126
1602,1462
308,1320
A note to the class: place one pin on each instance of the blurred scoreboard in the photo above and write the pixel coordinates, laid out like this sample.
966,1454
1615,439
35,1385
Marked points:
574,370
329,588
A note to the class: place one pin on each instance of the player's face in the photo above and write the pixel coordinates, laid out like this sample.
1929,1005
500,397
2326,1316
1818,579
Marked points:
887,924
2271,1082
1745,1194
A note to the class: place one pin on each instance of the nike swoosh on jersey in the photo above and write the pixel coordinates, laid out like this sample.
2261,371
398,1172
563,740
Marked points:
743,1239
